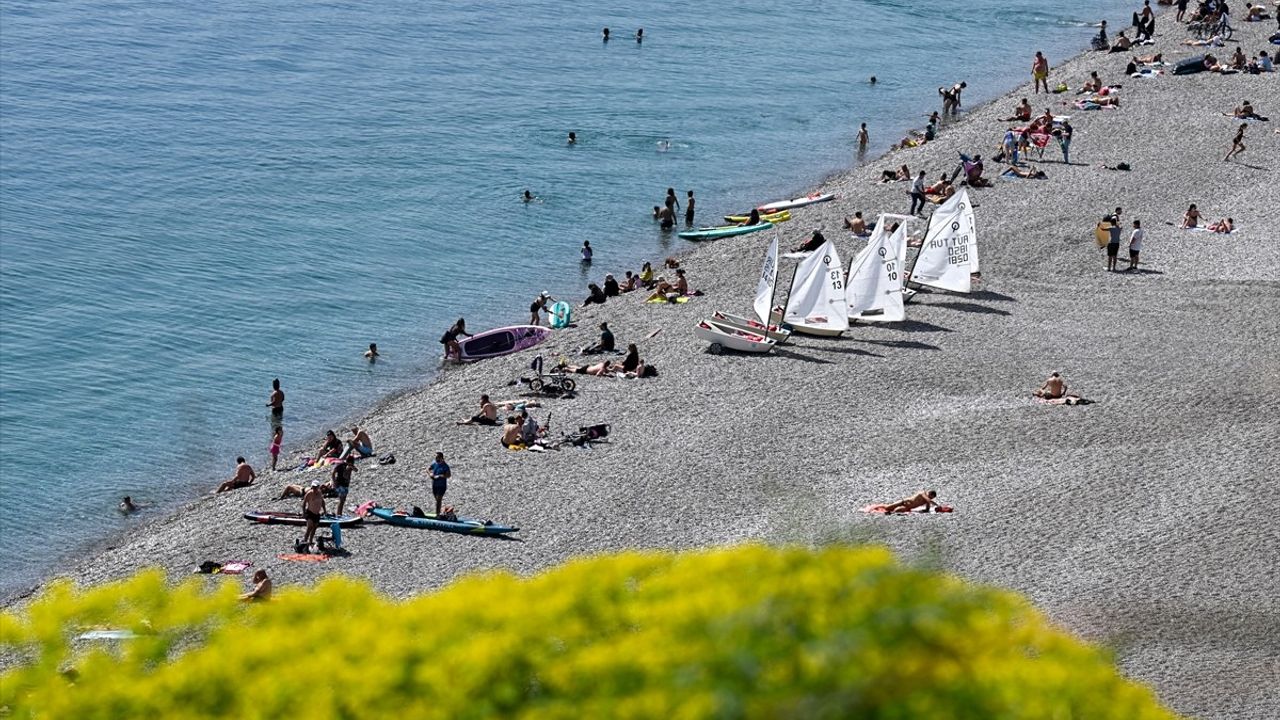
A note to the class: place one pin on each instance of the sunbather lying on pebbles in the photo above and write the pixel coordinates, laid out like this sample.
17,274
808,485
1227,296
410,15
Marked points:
923,499
1030,172
1223,226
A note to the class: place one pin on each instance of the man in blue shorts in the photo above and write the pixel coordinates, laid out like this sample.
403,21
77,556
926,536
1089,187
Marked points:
341,480
440,474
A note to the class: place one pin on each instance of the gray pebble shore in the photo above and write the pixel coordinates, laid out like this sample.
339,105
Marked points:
1141,521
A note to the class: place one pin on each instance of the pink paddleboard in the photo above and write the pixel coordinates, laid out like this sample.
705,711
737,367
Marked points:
502,341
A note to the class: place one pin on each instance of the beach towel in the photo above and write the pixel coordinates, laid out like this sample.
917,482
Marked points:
302,557
1205,228
236,567
1068,400
879,509
680,300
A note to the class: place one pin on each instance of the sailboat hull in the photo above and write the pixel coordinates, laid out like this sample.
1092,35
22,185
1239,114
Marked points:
775,332
724,336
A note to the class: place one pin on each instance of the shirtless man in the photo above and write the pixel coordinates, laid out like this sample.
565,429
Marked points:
372,353
1021,112
488,414
244,477
856,224
312,509
261,588
1040,73
924,498
1053,388
360,443
126,505
511,432
276,401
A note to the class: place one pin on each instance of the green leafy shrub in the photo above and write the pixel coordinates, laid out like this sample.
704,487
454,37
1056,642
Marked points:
750,632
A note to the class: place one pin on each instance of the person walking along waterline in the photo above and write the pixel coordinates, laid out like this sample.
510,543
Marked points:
863,138
1040,72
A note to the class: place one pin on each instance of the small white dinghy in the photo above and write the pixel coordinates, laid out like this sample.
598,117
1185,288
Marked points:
725,336
769,323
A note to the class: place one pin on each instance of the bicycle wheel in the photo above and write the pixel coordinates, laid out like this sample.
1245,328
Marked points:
1225,31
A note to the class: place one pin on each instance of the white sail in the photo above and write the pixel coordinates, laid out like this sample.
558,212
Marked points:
768,279
817,292
875,278
960,202
943,261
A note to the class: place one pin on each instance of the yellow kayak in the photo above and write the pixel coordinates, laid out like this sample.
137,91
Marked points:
775,218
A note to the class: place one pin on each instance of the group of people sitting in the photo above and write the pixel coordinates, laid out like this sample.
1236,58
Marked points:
645,279
1191,221
631,366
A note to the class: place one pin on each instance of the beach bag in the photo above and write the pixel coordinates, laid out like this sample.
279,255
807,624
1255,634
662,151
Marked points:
388,459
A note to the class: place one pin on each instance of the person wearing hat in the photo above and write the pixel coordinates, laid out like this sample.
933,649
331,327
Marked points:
312,510
537,306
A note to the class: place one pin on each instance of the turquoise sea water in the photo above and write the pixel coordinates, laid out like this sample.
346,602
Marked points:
196,198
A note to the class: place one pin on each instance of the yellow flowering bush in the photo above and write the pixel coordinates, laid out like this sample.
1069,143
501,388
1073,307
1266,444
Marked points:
742,632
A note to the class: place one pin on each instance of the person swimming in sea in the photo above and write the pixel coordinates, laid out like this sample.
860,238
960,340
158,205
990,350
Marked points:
605,34
587,252
127,506
873,80
372,353
640,35
528,197
573,138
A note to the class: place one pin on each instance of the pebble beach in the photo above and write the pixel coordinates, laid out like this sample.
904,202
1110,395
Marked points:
1138,521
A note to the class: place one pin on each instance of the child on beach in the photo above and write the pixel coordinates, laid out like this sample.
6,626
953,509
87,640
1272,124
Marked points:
1135,244
277,438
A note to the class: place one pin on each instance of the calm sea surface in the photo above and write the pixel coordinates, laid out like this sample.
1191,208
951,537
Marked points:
198,197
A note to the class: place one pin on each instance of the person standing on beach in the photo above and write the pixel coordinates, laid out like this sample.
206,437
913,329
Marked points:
863,138
1063,134
536,307
277,439
312,510
1040,71
340,478
244,477
440,474
688,208
1113,246
1135,244
917,194
1237,143
276,401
